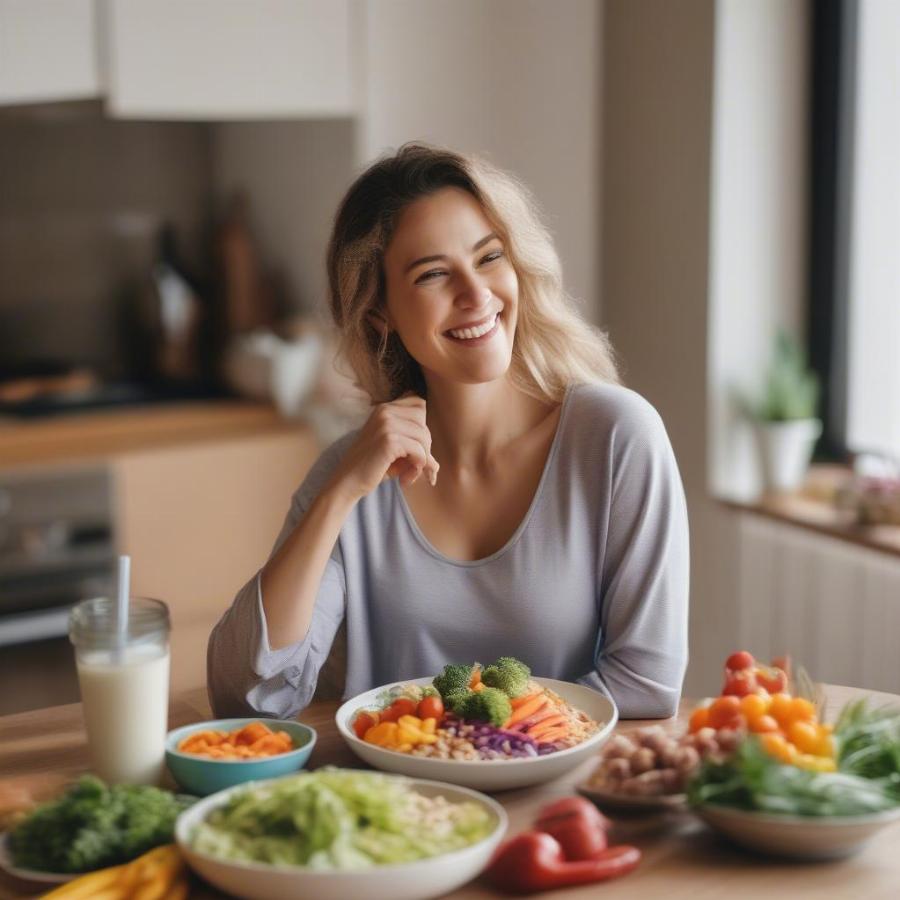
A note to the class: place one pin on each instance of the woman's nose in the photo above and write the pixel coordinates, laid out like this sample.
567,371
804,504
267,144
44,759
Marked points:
472,294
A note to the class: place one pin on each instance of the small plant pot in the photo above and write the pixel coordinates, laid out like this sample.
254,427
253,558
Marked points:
785,450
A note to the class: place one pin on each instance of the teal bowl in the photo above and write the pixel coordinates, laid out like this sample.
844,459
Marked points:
201,775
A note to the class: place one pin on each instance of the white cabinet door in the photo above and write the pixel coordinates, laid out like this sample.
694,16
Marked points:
48,50
229,59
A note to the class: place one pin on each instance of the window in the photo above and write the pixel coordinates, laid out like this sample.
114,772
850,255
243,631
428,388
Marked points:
855,247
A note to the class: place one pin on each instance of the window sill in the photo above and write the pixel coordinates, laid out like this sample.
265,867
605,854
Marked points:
813,509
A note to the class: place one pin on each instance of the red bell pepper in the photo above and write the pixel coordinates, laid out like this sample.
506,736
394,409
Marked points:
534,861
577,824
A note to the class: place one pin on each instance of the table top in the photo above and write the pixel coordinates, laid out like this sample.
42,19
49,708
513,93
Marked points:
41,750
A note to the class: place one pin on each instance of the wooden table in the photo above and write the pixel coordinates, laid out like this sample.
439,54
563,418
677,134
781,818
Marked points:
39,750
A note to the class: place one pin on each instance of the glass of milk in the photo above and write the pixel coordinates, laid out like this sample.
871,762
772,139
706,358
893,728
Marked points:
124,680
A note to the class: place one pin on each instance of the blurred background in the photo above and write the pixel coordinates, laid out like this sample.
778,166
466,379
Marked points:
721,180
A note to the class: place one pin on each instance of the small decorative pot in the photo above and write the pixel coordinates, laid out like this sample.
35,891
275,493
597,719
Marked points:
785,450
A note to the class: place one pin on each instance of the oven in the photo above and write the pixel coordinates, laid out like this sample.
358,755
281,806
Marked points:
57,546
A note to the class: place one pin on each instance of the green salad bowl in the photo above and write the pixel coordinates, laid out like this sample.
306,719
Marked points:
202,776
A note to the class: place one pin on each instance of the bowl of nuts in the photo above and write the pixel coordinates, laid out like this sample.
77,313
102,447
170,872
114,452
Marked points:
647,769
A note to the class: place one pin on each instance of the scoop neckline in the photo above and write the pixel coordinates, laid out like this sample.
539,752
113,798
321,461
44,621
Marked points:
514,537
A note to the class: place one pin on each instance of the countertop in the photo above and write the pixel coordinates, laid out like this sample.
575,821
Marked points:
97,436
682,859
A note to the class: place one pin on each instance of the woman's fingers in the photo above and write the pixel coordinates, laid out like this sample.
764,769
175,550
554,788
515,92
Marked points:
417,431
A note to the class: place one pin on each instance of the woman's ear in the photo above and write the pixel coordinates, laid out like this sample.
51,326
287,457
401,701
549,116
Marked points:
379,321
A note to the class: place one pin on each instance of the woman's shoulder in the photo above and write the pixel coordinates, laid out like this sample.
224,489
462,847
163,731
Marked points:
322,469
602,408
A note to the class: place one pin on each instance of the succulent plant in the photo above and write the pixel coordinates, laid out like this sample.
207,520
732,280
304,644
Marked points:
791,387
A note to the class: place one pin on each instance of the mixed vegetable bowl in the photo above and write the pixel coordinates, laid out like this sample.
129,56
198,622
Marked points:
471,712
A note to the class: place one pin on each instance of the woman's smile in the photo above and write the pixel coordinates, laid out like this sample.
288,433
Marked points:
475,334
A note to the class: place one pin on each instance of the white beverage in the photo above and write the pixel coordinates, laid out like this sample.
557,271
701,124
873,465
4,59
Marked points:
125,696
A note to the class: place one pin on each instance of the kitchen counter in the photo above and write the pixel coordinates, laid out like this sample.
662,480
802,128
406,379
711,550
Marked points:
682,859
98,436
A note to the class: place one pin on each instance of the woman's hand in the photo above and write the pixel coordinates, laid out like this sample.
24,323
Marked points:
394,442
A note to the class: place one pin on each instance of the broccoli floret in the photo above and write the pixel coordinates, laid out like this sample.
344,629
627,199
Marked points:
488,705
508,675
454,679
92,826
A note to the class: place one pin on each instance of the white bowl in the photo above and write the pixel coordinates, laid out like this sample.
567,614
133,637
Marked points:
418,880
489,775
796,837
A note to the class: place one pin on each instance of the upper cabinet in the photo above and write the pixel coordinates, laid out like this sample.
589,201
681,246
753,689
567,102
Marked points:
48,51
228,59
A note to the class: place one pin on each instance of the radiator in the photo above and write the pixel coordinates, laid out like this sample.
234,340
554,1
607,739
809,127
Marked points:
833,606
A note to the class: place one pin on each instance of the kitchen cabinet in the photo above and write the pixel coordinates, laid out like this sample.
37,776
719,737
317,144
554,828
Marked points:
229,59
199,521
48,51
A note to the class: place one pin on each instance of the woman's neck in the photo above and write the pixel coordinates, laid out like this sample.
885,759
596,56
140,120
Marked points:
470,424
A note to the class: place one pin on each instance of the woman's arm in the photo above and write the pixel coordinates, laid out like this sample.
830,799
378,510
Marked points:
641,652
266,651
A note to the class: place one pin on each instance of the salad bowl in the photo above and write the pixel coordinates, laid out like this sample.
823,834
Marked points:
419,880
490,775
796,837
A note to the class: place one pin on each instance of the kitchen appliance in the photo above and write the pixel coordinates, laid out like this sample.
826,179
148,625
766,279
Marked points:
56,548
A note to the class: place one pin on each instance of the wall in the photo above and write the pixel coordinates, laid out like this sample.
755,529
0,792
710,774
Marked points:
703,157
81,200
758,249
295,173
515,80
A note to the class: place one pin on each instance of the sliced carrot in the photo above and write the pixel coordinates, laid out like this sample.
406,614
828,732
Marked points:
549,722
249,734
516,702
552,734
526,709
475,679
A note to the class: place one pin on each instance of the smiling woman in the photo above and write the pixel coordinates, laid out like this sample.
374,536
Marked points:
551,522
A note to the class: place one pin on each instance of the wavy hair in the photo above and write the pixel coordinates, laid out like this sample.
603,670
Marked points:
554,346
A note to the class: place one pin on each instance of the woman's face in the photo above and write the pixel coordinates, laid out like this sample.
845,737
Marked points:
452,293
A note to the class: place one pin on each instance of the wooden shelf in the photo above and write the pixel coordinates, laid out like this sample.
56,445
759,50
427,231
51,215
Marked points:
822,518
98,436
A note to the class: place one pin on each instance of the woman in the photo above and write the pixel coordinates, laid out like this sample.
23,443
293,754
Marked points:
505,497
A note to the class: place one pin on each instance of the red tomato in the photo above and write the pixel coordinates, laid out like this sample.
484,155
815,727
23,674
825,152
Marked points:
723,711
773,680
740,683
431,708
391,714
740,660
404,706
363,722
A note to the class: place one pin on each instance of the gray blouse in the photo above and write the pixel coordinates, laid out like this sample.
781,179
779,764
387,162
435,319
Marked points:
592,586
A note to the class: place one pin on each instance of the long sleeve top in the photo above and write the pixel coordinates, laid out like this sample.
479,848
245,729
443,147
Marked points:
592,587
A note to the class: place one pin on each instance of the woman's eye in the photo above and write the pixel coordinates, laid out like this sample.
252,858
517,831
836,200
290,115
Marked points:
430,275
493,255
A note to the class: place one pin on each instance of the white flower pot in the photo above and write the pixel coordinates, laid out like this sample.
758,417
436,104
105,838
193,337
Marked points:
785,449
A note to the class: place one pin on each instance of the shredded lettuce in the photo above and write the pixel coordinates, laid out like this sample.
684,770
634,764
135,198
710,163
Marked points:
338,819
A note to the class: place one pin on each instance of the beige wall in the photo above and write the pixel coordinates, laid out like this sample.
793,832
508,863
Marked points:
703,221
657,124
294,173
516,80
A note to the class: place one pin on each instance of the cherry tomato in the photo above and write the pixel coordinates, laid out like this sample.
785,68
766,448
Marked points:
431,708
740,660
754,705
763,724
699,719
773,680
402,706
802,710
740,683
723,711
780,708
363,722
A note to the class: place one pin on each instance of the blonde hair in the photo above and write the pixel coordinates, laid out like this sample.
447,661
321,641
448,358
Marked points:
554,346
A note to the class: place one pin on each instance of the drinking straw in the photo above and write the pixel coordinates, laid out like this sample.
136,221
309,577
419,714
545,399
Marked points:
122,605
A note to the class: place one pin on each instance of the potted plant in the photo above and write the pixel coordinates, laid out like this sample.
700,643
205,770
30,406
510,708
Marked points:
786,425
